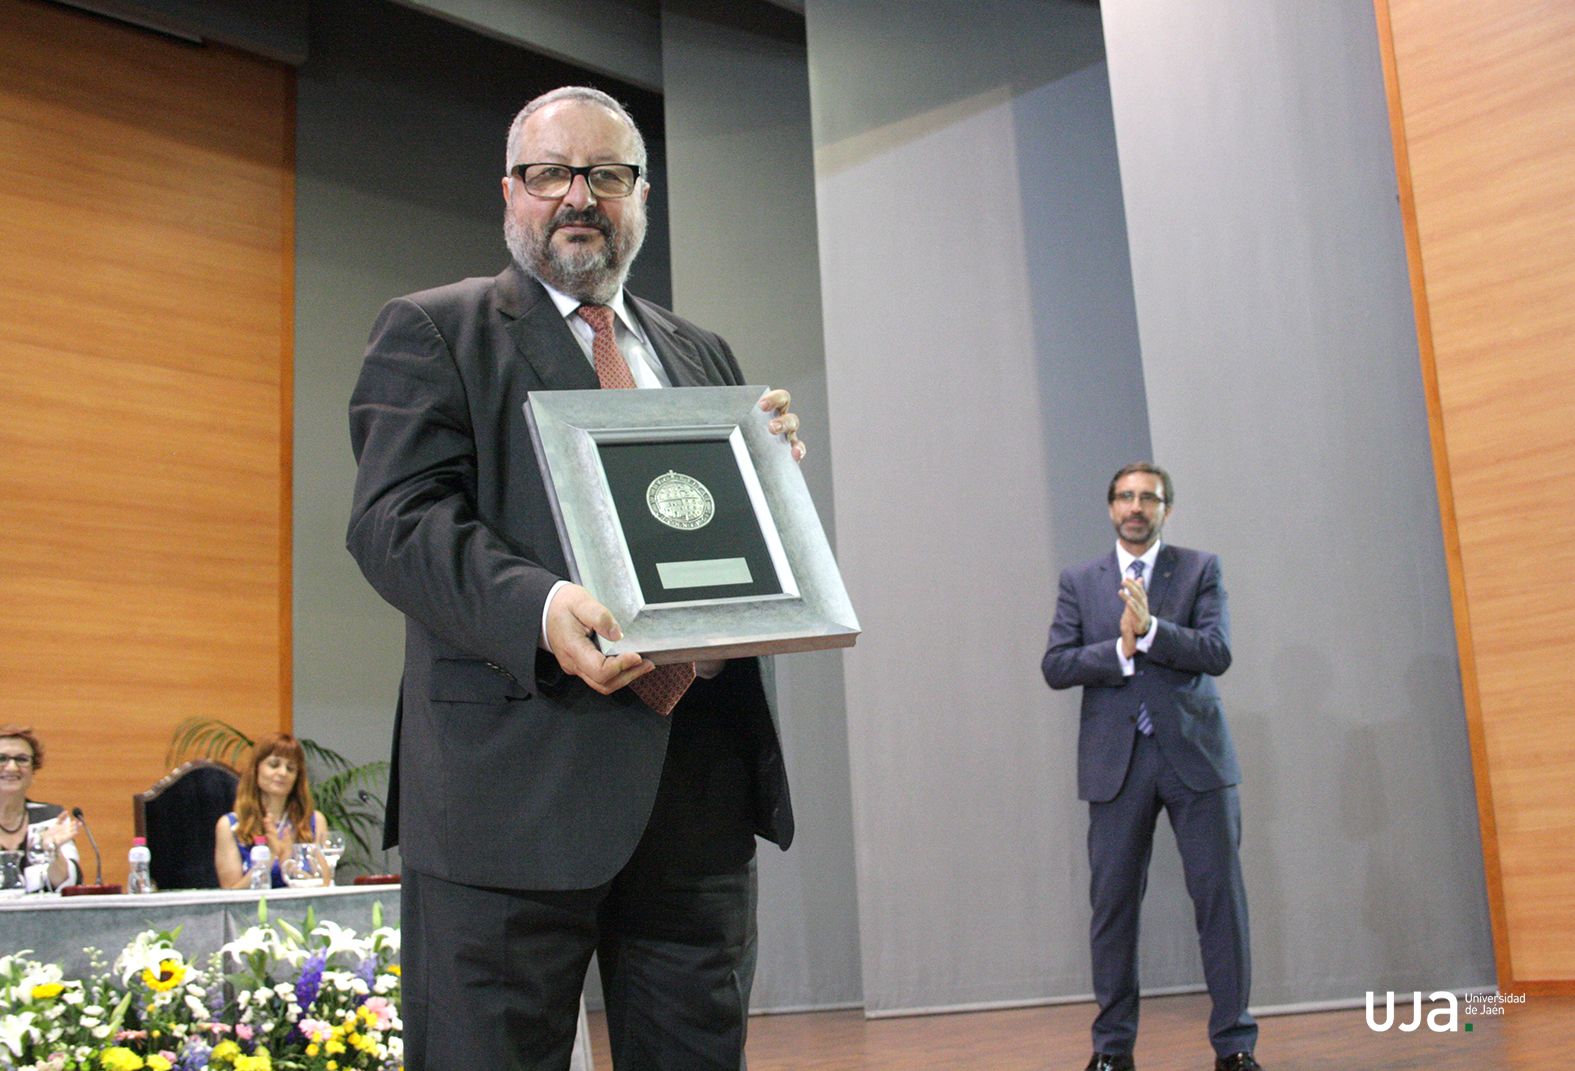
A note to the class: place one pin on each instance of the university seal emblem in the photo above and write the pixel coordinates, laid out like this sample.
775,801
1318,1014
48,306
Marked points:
680,501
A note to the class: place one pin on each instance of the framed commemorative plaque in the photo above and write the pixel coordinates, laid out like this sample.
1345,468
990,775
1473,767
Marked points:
690,521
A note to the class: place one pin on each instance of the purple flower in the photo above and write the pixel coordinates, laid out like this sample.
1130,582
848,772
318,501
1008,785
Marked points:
195,1055
366,970
310,982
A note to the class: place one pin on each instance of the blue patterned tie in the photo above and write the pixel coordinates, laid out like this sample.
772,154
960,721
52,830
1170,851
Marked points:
1144,724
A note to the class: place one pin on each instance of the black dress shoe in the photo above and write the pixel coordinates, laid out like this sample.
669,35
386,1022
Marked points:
1237,1061
1104,1061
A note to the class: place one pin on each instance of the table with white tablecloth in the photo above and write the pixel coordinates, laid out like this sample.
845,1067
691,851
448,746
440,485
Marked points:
60,929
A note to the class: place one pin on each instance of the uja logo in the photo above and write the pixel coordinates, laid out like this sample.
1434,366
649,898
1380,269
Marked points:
1440,1020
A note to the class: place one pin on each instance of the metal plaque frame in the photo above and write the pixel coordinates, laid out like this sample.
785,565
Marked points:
812,612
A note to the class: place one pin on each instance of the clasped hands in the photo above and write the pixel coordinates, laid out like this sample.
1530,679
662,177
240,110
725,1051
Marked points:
575,615
1135,618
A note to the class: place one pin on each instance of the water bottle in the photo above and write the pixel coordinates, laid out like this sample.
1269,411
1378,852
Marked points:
139,880
261,874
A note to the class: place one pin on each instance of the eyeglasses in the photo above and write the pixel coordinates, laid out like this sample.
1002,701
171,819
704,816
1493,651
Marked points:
1148,499
21,762
610,181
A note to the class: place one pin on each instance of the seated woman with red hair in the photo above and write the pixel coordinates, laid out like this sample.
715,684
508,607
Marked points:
272,801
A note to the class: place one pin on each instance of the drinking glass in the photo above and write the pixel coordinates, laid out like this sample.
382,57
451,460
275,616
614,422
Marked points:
40,848
302,869
12,881
333,849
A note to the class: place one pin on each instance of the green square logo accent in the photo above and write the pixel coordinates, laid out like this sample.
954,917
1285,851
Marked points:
1468,1028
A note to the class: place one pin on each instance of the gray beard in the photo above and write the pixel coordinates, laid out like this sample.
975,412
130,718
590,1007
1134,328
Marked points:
587,274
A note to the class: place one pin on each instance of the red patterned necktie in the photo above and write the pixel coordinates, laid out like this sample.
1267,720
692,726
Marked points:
664,686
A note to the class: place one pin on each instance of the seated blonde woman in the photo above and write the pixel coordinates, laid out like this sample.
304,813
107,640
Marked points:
272,801
42,832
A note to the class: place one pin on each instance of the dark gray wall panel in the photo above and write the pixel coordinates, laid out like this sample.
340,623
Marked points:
742,201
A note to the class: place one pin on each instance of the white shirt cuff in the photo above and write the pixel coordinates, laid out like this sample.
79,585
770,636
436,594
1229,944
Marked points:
546,606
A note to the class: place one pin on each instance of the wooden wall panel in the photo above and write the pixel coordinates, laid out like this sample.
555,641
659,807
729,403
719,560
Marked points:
146,203
1481,99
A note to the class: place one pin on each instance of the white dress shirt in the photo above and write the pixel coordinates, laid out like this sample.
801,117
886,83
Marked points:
1145,641
644,366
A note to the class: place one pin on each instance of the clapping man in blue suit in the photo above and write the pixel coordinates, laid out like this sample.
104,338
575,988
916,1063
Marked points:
1144,630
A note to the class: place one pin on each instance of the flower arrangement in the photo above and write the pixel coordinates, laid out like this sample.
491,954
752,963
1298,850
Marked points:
277,998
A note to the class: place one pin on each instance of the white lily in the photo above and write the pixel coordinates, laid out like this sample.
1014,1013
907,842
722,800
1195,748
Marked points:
255,939
14,1031
385,937
340,939
147,952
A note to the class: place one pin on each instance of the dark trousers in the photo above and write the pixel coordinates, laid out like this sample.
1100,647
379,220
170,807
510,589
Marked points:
492,977
1120,842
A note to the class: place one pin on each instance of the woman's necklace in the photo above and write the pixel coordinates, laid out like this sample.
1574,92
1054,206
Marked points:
13,830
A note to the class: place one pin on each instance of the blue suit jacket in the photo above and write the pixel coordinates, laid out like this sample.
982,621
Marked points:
1175,679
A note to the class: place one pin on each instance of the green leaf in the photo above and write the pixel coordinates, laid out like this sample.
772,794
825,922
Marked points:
338,797
324,756
119,1015
207,738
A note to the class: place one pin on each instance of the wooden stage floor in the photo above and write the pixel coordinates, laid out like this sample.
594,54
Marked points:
1535,1036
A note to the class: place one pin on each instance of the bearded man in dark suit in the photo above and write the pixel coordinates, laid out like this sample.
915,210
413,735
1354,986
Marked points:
1144,630
545,810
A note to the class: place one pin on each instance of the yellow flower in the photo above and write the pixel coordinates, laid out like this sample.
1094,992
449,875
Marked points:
312,1049
120,1058
335,1047
224,1050
156,1062
47,990
257,1062
393,968
333,1065
171,974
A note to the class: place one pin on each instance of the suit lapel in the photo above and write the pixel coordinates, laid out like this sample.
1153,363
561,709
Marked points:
540,334
679,357
1164,567
1107,578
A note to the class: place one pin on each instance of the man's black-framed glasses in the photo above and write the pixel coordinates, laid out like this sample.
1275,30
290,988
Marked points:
1148,499
610,181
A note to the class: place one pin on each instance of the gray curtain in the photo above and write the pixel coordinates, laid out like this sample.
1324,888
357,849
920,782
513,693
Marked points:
984,377
1279,351
983,325
742,196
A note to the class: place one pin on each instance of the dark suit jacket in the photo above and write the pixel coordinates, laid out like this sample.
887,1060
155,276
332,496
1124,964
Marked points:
507,773
1175,679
